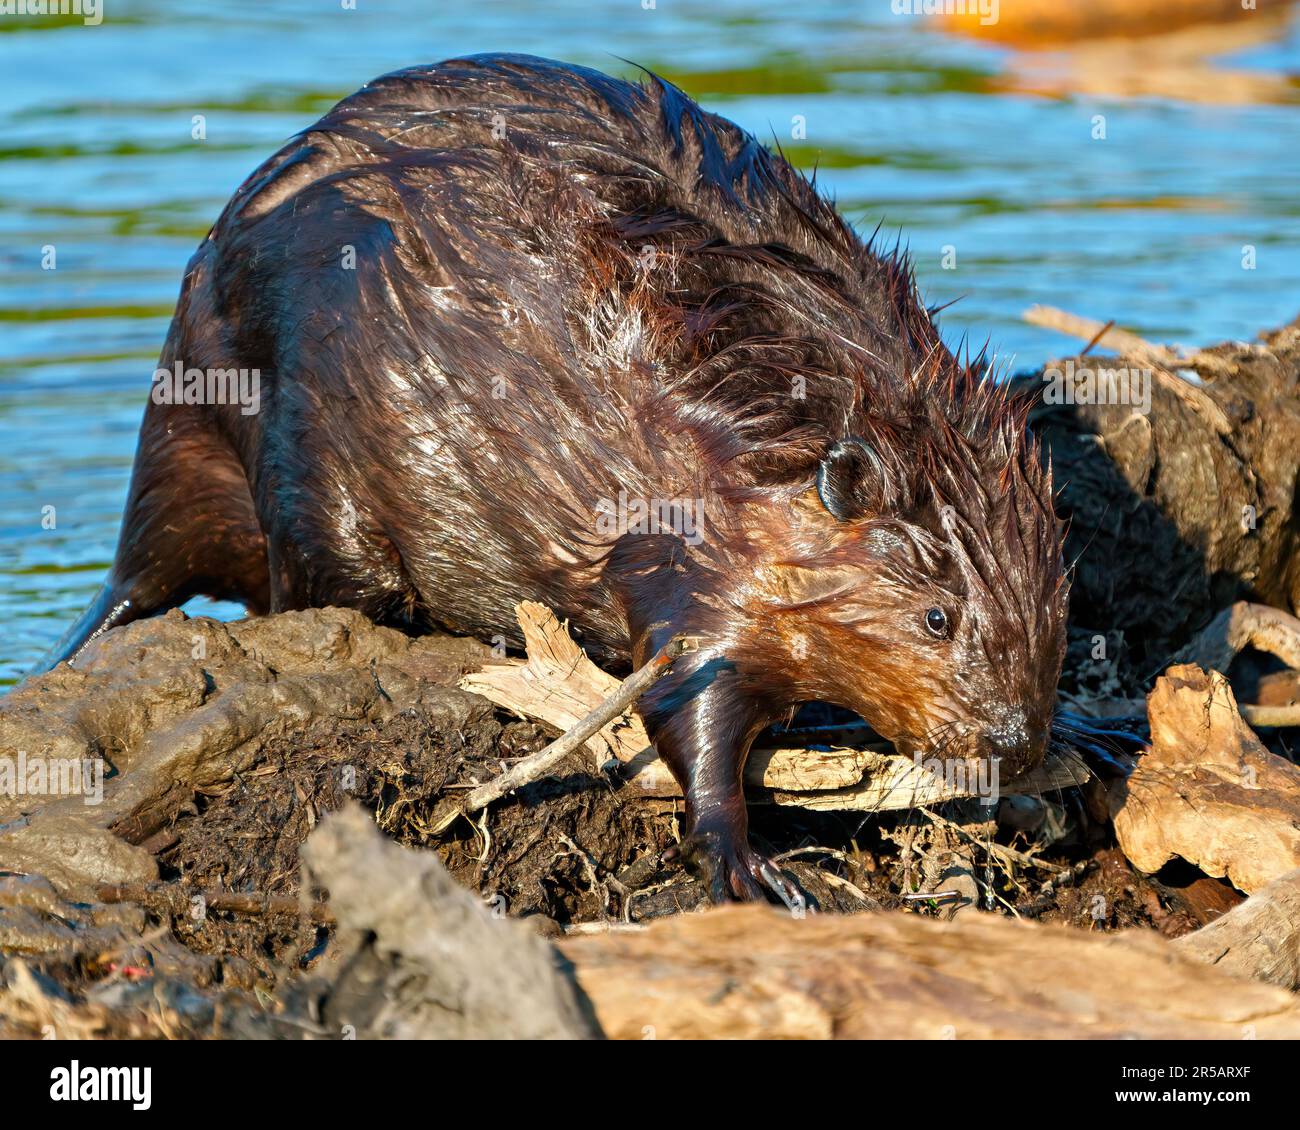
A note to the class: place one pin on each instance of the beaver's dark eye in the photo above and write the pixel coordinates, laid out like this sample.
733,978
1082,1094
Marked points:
937,621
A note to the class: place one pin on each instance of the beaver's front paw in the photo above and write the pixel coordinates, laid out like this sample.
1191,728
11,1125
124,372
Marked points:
734,871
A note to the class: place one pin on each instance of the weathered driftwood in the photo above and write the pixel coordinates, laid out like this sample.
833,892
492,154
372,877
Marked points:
425,957
1208,790
420,957
752,972
1250,625
558,685
1260,938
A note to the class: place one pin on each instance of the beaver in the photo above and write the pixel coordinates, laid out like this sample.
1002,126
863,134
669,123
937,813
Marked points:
524,331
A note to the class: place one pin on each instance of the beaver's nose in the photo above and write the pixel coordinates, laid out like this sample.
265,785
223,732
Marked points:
1013,753
1014,743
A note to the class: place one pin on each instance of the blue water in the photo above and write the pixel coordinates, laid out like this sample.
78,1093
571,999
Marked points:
935,136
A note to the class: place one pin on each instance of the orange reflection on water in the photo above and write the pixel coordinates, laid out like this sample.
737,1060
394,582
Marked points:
1131,48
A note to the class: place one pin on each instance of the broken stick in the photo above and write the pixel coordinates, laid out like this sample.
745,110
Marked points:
539,764
175,898
1165,362
1102,333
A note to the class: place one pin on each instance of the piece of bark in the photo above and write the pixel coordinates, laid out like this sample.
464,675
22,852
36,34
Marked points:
558,685
1260,938
753,972
1207,790
1202,899
425,958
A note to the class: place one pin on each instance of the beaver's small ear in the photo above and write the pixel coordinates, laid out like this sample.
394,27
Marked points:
850,479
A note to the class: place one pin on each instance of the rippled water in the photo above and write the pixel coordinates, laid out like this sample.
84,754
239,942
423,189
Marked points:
957,144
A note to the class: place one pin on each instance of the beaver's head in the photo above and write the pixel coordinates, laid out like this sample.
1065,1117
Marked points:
930,591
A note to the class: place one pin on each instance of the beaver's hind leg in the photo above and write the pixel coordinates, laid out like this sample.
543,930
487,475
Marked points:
189,529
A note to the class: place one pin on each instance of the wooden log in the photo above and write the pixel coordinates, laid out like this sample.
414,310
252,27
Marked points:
753,972
1041,23
1260,938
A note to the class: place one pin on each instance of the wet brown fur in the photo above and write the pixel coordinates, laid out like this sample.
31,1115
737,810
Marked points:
567,286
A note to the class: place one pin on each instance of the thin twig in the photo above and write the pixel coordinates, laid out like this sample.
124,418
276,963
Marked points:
538,765
1166,362
178,899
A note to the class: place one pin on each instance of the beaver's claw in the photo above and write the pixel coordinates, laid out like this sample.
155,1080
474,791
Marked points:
734,871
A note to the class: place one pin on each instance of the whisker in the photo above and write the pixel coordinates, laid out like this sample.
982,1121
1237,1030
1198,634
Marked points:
1113,747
